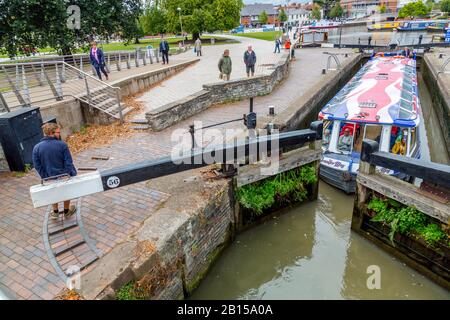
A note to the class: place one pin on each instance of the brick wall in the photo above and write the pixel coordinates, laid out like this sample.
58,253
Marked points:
215,93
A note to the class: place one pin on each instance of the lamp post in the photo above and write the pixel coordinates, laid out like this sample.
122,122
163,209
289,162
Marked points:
181,23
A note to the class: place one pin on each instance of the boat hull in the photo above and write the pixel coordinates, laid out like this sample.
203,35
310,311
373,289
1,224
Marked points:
344,181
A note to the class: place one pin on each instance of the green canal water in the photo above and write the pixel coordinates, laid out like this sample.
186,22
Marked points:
310,252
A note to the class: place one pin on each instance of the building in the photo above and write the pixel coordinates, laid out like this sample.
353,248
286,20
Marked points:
251,12
362,8
297,16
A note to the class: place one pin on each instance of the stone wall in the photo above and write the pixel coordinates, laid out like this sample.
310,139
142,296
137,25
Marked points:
440,94
3,163
215,93
187,233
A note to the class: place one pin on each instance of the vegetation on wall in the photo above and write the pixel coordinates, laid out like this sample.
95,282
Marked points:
405,220
284,188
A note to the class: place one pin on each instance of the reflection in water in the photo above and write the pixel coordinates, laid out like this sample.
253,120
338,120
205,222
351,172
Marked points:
309,252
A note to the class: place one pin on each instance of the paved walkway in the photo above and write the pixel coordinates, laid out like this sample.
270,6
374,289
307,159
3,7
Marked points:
206,71
110,217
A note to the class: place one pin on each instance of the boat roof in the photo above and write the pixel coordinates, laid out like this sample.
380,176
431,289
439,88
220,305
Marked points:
384,91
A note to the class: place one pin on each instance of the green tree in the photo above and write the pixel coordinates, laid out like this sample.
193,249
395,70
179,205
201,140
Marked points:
336,11
202,15
154,21
263,18
27,24
326,5
414,9
315,14
383,8
445,6
282,16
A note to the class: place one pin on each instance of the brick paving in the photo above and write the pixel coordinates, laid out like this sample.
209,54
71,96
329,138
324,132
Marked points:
110,217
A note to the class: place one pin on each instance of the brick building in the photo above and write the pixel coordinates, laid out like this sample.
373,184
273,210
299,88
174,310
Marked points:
251,12
360,8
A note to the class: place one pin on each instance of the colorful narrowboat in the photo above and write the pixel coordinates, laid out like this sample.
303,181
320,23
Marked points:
415,25
380,103
388,26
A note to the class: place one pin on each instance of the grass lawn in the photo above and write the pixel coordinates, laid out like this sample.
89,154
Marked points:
173,42
269,35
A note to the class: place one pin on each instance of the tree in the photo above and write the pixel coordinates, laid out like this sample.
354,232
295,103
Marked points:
154,21
39,23
282,17
202,15
263,18
383,8
326,5
445,6
414,9
315,14
336,11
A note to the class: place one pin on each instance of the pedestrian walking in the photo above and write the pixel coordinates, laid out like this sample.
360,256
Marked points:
52,158
225,66
250,61
97,59
277,45
198,47
164,49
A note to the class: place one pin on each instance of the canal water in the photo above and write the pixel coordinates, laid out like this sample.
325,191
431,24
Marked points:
310,252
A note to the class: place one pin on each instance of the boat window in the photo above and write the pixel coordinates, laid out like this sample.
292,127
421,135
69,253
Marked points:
407,95
407,86
327,130
399,140
348,134
406,104
413,143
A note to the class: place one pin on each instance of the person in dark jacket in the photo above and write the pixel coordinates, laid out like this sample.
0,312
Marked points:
97,59
51,157
250,61
164,49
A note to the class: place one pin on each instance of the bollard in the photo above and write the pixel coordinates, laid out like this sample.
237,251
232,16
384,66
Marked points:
441,55
324,71
271,111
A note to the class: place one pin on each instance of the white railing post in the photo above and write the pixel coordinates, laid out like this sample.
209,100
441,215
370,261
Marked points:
26,92
128,60
58,86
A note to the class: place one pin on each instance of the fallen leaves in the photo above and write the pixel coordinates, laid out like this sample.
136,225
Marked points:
97,135
68,295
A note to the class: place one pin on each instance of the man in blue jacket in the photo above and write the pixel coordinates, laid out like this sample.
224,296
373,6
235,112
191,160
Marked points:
164,49
51,157
97,59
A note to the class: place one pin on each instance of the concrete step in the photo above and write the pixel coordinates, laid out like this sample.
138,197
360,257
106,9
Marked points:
107,105
139,121
141,127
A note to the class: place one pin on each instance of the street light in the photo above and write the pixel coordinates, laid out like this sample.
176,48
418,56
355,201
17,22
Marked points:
181,23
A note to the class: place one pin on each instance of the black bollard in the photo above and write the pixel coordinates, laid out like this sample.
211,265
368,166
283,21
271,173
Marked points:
369,41
420,39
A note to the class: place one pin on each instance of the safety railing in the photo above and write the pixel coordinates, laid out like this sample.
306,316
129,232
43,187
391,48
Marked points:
42,83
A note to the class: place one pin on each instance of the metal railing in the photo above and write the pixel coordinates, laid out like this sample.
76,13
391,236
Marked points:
42,83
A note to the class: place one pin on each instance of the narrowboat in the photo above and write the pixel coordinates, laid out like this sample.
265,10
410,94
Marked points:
438,27
388,26
324,25
380,103
415,25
